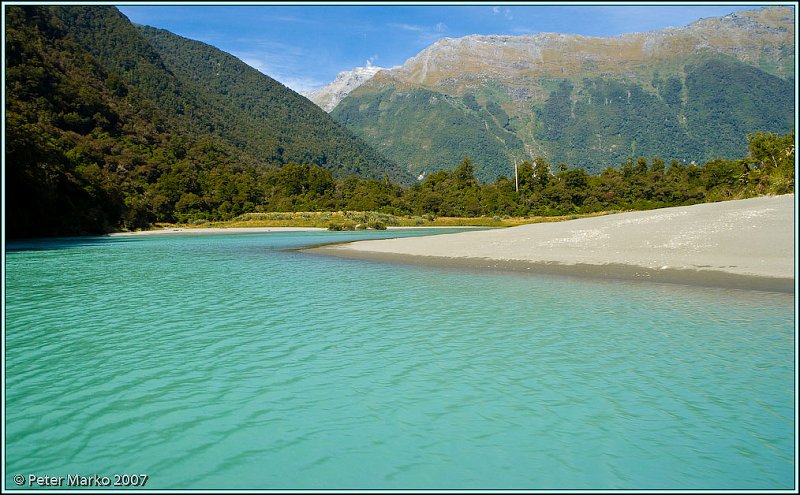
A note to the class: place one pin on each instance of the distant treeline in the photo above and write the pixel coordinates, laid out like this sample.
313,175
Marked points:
201,190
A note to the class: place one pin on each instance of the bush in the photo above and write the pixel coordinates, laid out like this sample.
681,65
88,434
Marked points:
377,225
346,225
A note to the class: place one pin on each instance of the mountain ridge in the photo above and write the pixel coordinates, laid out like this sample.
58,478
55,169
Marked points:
290,128
552,49
695,29
518,77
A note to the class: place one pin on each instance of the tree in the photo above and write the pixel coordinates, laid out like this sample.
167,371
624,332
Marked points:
464,175
771,150
526,174
541,170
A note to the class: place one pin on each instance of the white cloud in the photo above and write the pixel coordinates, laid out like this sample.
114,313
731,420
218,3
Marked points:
302,84
425,34
407,27
281,69
505,13
259,65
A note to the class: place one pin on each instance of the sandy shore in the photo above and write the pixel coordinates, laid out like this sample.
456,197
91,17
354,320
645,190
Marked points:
740,244
249,230
235,230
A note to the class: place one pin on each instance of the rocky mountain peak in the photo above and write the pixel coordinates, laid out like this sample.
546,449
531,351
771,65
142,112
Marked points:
346,81
761,34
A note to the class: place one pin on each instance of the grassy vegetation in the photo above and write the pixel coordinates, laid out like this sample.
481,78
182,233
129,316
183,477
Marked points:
359,220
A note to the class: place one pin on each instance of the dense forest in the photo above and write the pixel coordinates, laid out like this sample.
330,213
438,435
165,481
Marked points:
211,92
540,189
93,147
281,125
425,129
707,116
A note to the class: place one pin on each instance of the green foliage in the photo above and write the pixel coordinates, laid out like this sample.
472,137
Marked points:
337,226
727,99
102,134
262,116
694,109
426,131
89,150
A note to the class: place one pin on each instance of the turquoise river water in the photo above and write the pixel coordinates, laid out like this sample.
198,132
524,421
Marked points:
232,361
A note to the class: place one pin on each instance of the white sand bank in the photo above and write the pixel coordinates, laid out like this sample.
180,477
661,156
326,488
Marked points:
751,238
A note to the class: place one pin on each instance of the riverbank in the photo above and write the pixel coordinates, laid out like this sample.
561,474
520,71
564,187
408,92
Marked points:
212,230
746,244
342,220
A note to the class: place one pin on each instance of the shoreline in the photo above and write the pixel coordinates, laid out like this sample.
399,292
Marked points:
213,230
610,271
260,230
743,244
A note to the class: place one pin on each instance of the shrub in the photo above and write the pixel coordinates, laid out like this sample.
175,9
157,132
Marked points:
346,225
377,225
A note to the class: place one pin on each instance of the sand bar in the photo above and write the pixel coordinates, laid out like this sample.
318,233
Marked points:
251,230
745,244
232,230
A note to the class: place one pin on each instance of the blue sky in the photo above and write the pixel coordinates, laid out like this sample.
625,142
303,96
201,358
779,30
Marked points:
305,46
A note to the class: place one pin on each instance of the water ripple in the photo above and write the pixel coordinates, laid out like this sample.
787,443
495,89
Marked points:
224,362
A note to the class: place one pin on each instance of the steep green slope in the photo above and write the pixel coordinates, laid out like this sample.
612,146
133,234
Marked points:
428,130
282,125
591,123
85,151
727,99
260,116
604,121
101,134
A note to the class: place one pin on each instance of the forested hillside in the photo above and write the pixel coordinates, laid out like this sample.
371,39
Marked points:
86,152
604,121
278,123
101,134
429,131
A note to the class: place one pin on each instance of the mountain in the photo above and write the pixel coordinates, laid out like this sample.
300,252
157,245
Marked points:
272,121
346,81
103,131
690,94
81,141
189,79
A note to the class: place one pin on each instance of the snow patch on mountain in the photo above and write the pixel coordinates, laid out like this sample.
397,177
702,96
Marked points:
346,81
